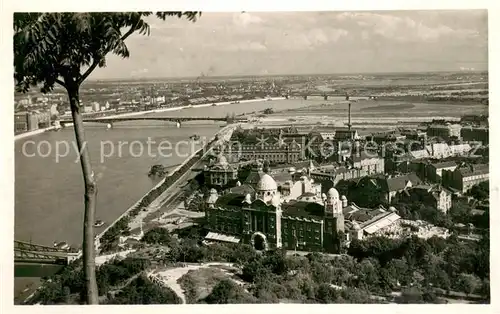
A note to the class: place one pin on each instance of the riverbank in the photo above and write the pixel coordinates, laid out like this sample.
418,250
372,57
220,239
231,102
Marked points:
33,133
153,200
224,103
138,113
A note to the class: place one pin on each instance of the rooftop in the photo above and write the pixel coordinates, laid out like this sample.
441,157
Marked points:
400,182
243,189
231,199
444,164
472,170
303,209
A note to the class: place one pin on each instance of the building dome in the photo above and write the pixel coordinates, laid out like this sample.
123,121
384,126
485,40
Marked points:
355,225
212,198
221,160
266,183
332,192
248,199
276,201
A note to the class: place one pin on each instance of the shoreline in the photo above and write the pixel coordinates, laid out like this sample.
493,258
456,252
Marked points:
138,113
153,206
158,203
33,133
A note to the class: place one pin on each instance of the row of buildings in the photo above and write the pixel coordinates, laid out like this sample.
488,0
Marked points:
294,201
450,131
30,121
293,214
295,209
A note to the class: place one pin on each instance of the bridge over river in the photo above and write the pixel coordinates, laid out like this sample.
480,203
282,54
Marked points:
178,120
26,252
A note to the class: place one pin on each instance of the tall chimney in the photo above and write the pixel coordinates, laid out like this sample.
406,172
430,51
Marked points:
349,118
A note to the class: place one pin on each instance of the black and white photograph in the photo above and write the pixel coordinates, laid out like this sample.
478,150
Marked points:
250,157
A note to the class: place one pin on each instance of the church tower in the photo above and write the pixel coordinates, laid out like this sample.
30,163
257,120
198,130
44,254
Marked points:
334,221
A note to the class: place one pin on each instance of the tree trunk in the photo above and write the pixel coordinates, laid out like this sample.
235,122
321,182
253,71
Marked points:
90,199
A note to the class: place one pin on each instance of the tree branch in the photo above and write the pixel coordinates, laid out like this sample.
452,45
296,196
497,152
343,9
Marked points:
58,81
89,70
95,63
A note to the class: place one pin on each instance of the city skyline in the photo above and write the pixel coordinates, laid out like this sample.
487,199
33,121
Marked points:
246,44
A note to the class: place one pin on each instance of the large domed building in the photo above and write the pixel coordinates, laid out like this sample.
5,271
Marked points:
266,219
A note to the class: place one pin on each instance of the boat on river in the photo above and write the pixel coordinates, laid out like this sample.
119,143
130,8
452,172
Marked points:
62,245
98,223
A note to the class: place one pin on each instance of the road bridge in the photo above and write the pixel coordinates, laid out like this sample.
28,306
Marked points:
25,252
178,120
325,95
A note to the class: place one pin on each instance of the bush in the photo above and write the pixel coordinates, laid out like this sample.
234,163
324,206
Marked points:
226,291
142,291
158,235
118,271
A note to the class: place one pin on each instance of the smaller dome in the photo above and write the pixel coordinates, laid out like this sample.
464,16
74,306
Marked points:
332,192
212,198
276,201
355,225
248,199
266,183
221,160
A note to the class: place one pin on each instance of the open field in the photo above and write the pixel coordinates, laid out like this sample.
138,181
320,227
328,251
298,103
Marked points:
386,108
171,278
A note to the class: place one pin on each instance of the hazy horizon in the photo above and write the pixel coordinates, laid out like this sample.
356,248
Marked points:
301,43
284,75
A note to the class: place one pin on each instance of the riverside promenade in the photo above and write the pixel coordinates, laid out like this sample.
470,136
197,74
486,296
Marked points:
165,195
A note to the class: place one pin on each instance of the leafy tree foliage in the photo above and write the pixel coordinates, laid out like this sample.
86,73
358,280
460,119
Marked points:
158,235
481,191
227,291
142,291
64,49
420,269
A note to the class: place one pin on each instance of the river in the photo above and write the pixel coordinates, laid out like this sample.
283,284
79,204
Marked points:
49,190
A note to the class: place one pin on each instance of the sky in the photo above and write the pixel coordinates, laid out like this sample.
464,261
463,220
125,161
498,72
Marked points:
274,43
